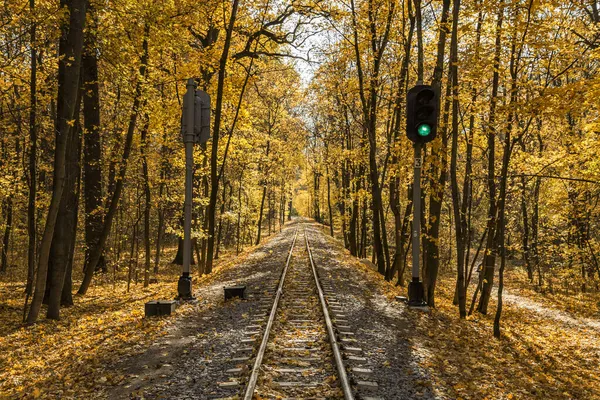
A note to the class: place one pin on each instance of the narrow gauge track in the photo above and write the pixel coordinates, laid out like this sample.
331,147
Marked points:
299,355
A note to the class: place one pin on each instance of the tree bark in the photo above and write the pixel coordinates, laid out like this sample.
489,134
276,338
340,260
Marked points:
8,216
164,166
395,180
439,161
221,212
264,195
63,241
239,215
31,203
525,215
70,49
369,102
116,195
490,251
515,58
214,175
147,198
92,149
329,202
460,248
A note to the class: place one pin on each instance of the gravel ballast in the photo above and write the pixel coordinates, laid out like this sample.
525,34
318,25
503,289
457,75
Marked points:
195,358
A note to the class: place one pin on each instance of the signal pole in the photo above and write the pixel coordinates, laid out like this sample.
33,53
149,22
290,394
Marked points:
184,286
195,129
415,287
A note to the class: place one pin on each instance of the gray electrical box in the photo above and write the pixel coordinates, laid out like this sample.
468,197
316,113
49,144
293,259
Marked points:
201,117
202,107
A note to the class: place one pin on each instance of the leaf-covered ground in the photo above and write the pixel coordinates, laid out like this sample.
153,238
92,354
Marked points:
538,356
542,354
71,358
555,296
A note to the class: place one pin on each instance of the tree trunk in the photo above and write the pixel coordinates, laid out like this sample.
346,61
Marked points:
467,193
535,219
317,189
63,241
239,215
460,241
490,251
270,213
329,202
438,162
161,211
92,149
147,198
263,181
352,234
8,215
363,231
399,222
70,49
31,204
214,177
116,195
260,214
515,58
401,237
524,213
221,212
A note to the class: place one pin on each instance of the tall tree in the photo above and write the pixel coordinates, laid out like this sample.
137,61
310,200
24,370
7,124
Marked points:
368,91
92,147
460,286
490,250
439,172
31,203
214,176
70,49
96,254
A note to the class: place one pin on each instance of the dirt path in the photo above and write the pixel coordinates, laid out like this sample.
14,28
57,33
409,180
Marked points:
551,313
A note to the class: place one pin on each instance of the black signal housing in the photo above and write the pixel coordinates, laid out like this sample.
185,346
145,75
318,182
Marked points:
422,110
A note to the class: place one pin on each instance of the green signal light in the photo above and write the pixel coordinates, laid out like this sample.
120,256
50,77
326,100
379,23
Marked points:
424,130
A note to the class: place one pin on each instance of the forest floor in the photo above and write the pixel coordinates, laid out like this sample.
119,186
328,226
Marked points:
103,347
549,349
575,304
71,357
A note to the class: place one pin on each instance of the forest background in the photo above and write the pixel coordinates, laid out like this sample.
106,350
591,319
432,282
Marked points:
92,162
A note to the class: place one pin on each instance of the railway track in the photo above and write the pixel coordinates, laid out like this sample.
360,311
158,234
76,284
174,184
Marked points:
299,344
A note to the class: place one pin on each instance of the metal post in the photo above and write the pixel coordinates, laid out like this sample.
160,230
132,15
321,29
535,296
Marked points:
184,287
415,288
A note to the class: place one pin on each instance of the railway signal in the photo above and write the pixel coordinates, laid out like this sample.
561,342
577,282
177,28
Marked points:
195,129
422,109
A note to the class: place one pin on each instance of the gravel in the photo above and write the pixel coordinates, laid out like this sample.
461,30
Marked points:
381,327
190,361
194,356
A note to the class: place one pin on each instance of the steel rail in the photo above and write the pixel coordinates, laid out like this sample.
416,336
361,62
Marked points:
332,339
263,346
